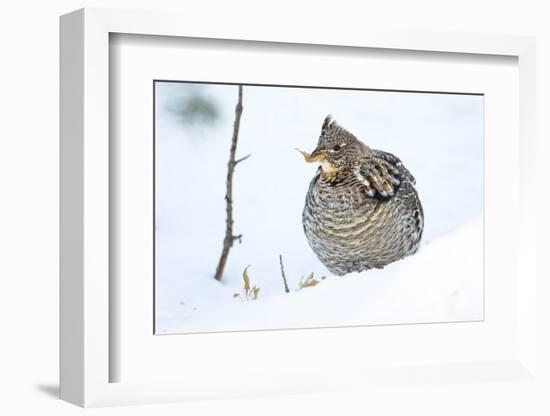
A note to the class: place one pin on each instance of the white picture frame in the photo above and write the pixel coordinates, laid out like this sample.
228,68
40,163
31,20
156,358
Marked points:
85,227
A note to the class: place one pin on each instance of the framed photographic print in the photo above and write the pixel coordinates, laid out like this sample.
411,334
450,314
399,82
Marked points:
247,215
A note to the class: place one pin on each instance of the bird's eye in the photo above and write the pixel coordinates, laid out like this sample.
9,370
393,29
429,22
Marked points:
336,148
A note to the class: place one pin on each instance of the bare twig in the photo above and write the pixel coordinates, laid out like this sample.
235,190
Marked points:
242,159
287,290
229,236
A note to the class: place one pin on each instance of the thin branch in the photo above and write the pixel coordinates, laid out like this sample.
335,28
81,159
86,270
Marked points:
242,159
287,290
230,238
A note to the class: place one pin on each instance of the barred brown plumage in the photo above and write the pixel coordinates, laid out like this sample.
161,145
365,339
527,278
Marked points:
362,210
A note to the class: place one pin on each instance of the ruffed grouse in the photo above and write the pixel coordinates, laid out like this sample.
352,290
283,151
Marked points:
362,210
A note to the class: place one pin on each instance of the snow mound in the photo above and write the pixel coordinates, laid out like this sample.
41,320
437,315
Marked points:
442,282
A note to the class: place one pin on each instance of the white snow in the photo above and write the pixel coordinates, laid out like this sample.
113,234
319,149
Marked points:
436,285
438,136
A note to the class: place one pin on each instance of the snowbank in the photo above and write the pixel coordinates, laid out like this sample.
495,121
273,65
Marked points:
443,282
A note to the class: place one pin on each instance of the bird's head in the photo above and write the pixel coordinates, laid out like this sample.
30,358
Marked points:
337,149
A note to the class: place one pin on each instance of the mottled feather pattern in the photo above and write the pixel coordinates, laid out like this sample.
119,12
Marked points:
362,211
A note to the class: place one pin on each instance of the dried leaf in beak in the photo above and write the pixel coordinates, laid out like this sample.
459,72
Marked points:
311,158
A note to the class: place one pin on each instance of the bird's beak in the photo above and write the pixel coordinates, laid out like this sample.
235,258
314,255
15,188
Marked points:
316,156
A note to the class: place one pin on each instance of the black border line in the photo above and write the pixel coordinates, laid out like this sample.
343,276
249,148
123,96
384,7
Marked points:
154,208
317,87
